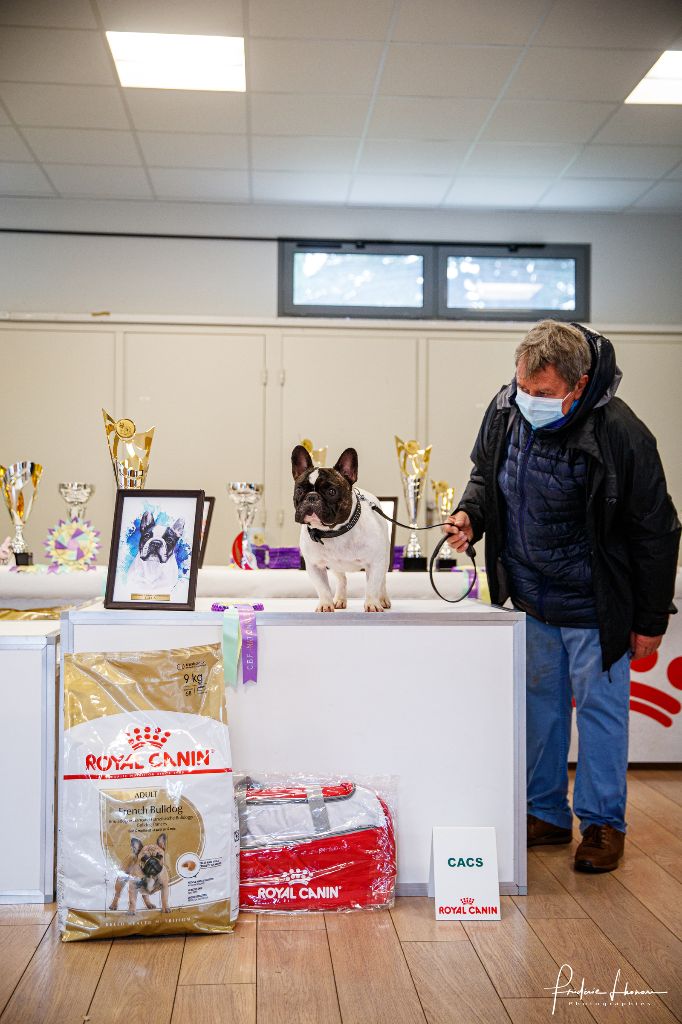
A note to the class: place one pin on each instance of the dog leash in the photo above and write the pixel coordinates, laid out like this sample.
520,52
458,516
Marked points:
470,552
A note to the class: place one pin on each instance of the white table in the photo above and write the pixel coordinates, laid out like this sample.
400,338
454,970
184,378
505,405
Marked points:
29,664
430,694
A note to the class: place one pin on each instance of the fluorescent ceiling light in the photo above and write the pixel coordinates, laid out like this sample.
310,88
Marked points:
153,60
663,84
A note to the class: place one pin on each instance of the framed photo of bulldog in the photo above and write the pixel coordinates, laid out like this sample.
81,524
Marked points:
155,547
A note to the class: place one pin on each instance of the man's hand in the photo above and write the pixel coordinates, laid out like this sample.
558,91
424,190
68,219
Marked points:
643,646
460,532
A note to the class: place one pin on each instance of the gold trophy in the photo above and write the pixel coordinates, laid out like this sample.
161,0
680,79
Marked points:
129,450
76,495
318,455
444,497
19,483
414,465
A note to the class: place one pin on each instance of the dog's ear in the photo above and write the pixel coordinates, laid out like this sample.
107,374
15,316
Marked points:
146,522
136,845
178,526
161,841
347,465
300,461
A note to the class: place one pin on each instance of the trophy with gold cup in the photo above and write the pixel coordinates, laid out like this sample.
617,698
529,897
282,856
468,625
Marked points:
76,495
19,484
444,498
318,455
414,466
129,449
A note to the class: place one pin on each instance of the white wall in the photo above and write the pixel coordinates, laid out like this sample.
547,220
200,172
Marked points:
636,258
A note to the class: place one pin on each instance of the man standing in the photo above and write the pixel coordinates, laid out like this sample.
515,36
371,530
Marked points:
581,534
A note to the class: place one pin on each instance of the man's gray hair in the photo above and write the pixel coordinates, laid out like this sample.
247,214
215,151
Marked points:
552,343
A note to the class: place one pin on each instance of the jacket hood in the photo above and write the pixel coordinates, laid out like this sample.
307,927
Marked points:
604,380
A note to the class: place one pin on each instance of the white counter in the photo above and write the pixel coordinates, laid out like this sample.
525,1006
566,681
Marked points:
430,694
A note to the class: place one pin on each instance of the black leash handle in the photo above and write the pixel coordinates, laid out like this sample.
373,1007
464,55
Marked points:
470,552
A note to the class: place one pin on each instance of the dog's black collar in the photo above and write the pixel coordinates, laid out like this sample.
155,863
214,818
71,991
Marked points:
320,536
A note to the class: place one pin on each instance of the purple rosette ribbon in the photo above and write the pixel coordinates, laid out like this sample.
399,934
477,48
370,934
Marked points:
249,636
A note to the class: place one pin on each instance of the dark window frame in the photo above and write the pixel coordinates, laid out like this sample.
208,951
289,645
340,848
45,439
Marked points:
435,255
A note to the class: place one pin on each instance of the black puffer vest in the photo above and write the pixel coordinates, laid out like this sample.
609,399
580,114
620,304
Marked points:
547,550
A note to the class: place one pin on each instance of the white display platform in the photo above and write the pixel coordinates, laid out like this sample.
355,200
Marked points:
29,663
431,694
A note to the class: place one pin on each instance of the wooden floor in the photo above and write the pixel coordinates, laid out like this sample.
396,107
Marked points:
397,967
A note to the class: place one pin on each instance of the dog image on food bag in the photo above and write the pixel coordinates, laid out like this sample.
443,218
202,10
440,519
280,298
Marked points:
339,530
144,874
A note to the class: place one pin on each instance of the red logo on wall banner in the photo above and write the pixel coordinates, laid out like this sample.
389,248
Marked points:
649,700
139,737
467,900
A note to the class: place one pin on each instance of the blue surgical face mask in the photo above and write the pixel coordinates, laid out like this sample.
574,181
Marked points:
540,412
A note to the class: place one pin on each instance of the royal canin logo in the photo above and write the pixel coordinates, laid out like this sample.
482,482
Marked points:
142,760
467,900
155,737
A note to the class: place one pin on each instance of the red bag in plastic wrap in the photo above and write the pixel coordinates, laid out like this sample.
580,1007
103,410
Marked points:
308,846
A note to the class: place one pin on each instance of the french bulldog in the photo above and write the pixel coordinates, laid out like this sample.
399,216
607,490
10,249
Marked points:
155,568
325,500
145,873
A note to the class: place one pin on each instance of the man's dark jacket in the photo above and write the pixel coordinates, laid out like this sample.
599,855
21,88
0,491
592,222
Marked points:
631,522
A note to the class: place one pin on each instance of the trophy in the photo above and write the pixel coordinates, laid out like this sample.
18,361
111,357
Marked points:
129,450
318,455
414,465
444,497
246,497
19,484
76,495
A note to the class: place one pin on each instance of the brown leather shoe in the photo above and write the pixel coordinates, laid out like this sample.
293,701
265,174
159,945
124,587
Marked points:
601,849
542,833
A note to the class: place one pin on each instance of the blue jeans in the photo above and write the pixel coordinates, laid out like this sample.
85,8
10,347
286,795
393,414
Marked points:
561,663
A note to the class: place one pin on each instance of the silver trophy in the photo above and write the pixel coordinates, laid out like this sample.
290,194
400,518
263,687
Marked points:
19,484
246,497
414,465
76,495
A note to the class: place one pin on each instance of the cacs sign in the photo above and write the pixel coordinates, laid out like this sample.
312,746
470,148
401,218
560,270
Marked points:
465,876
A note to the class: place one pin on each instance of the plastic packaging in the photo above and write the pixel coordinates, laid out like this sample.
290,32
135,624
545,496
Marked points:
148,832
312,843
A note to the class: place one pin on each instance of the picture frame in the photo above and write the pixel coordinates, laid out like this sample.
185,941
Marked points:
389,506
154,555
209,503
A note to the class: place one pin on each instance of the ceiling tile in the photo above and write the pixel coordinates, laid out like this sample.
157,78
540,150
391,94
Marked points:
276,65
184,149
610,23
496,193
64,106
12,147
422,70
625,161
177,110
468,21
411,156
307,115
320,19
584,194
507,160
271,186
198,17
55,55
89,146
99,182
545,121
404,117
398,190
570,74
19,179
215,186
648,124
301,153
667,195
65,14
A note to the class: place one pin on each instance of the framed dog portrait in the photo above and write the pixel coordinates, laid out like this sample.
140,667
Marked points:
209,502
155,546
389,506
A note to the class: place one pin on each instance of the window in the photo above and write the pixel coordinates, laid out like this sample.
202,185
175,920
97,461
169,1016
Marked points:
431,281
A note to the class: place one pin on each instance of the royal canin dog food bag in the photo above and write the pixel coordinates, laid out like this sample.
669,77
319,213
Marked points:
148,829
311,845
